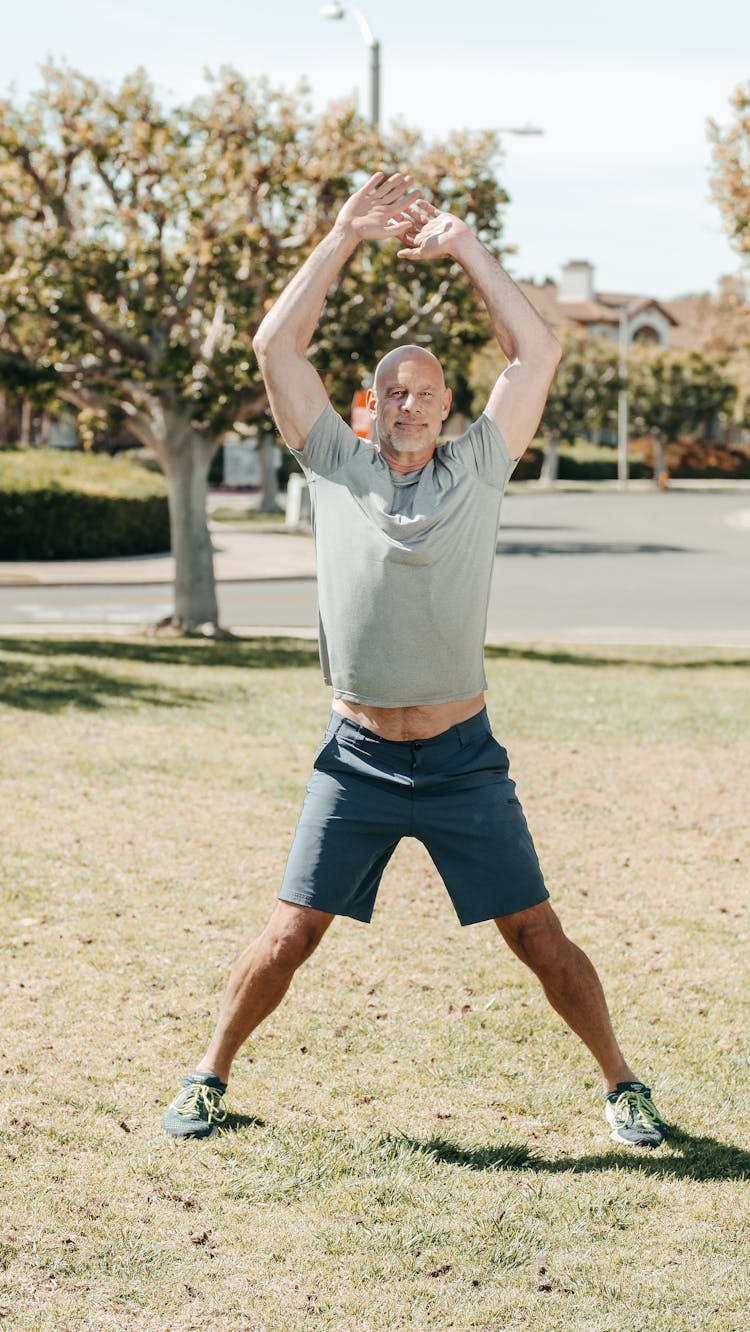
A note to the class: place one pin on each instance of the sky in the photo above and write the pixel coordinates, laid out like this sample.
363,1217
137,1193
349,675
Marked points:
622,92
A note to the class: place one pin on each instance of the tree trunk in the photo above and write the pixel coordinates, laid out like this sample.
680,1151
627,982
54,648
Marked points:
25,437
548,474
661,475
268,501
186,455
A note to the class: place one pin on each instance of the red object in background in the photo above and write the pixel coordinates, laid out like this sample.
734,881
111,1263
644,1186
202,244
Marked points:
360,417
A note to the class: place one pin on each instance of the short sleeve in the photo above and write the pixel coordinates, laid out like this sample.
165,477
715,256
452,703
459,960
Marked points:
330,444
484,446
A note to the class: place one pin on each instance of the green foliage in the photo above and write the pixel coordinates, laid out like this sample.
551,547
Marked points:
673,393
61,506
730,179
142,244
583,395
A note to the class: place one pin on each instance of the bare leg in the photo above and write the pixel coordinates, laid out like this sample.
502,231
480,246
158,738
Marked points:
260,978
569,982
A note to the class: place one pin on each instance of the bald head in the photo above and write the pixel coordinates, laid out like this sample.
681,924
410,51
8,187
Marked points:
390,363
408,402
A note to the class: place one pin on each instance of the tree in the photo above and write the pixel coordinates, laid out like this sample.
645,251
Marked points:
730,179
674,393
141,246
583,396
719,326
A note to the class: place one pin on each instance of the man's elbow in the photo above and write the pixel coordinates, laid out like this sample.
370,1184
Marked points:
263,343
542,351
273,347
550,349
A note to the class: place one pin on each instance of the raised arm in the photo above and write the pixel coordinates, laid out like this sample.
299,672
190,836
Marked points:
295,390
517,400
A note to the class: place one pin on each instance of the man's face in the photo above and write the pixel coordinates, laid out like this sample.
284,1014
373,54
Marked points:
409,402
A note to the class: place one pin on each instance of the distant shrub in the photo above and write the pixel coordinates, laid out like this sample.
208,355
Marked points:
57,505
598,469
710,460
690,458
574,468
529,465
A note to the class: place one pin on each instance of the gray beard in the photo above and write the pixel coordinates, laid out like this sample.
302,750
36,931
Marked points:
397,447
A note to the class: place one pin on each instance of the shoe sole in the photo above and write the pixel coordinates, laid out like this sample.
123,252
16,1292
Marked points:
197,1133
629,1142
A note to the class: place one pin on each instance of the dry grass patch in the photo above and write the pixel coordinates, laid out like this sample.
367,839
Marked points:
417,1142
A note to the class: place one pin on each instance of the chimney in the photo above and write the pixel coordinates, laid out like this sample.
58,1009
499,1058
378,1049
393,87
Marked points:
577,282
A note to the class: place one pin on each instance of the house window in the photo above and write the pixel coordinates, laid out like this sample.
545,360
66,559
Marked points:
646,333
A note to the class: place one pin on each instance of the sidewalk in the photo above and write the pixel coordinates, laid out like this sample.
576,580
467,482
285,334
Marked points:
248,556
239,556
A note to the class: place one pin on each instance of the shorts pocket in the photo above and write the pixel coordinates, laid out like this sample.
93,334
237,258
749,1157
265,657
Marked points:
322,750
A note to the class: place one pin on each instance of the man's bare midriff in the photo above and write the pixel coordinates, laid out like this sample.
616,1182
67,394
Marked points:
415,723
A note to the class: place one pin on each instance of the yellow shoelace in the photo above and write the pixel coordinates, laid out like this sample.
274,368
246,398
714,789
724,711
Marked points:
640,1107
200,1098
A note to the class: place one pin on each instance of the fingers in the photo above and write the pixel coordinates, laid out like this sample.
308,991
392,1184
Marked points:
390,190
383,186
421,212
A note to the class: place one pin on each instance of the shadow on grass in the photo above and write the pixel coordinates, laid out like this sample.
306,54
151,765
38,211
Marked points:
54,687
235,1122
267,653
681,1157
260,653
652,659
48,675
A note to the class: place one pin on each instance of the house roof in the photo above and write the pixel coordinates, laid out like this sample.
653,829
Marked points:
636,304
604,309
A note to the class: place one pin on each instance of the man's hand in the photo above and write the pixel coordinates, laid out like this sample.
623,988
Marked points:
378,210
432,234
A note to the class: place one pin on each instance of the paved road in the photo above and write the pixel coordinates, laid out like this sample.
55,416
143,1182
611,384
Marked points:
644,565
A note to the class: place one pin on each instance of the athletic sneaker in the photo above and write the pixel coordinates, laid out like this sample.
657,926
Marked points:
198,1109
633,1116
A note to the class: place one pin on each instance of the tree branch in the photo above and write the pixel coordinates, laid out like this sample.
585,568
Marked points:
49,196
117,196
138,424
114,337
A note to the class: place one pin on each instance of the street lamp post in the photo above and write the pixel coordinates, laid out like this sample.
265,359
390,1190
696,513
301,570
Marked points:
338,11
622,399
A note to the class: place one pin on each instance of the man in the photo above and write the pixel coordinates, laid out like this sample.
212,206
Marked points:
405,534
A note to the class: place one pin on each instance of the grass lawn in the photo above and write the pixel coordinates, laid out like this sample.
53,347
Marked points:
249,519
416,1140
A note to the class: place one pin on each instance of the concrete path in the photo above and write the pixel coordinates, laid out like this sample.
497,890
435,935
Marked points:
237,555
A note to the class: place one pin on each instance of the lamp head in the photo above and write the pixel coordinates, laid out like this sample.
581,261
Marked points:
333,11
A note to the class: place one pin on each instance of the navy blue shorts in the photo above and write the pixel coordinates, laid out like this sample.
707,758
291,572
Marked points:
452,792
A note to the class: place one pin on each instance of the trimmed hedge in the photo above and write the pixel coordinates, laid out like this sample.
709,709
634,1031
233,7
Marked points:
56,505
598,469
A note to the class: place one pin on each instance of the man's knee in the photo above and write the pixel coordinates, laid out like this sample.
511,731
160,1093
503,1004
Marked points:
293,933
535,936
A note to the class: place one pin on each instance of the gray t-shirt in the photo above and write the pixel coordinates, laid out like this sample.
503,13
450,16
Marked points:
404,563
